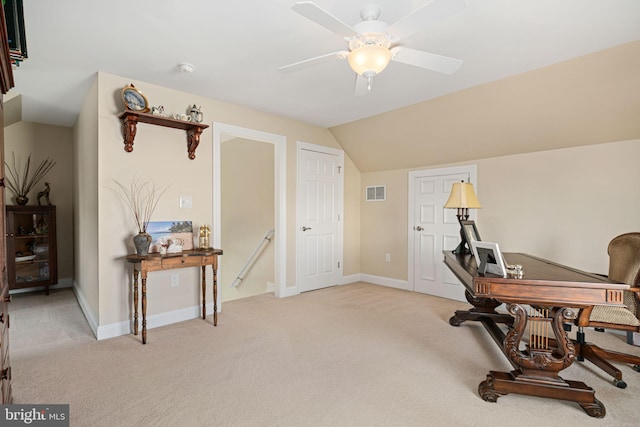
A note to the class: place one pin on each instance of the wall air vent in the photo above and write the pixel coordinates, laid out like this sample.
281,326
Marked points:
376,193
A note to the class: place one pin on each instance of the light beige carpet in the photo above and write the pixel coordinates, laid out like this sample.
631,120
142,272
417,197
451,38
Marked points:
353,355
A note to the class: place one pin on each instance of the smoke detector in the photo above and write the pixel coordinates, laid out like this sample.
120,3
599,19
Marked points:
185,67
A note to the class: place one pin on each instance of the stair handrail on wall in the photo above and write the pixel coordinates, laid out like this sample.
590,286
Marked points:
254,256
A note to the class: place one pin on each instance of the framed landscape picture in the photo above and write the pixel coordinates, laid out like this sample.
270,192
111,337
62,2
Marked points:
170,232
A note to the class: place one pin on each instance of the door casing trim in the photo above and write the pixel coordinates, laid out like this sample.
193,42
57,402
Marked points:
280,194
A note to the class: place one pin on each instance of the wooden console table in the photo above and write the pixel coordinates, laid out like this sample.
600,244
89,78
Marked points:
143,264
554,293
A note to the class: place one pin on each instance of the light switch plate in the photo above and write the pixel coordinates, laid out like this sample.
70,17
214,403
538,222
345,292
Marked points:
186,202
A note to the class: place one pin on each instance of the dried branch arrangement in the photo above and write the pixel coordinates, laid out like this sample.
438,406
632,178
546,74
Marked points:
141,198
19,182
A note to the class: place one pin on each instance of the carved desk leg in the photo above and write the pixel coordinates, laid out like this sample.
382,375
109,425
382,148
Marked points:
130,127
135,300
541,361
204,292
193,139
482,308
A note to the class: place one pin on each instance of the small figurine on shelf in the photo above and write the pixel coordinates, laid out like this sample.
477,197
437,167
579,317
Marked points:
42,227
196,114
158,111
44,194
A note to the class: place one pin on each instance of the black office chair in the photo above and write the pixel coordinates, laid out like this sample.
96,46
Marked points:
624,267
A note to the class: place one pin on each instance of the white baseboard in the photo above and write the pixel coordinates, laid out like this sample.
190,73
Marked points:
123,328
385,281
289,291
352,278
153,321
86,309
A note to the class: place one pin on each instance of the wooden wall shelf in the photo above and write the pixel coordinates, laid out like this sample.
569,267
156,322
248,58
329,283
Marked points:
130,120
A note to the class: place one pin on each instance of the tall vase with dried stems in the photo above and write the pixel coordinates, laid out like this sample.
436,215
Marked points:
141,198
19,182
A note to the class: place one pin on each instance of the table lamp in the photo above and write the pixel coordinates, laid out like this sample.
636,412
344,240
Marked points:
463,198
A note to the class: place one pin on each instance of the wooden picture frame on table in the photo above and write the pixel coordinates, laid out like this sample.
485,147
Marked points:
470,232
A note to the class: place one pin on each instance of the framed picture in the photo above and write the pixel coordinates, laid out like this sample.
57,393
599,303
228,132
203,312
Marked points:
175,236
470,231
488,258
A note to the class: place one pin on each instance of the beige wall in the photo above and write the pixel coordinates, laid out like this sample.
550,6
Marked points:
564,205
351,253
247,214
42,141
384,226
160,155
85,206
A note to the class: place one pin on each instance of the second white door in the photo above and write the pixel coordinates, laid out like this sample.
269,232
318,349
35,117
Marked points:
434,229
319,219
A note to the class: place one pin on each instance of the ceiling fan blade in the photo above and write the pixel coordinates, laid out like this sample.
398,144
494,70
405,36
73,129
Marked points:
321,17
428,14
362,86
313,61
430,61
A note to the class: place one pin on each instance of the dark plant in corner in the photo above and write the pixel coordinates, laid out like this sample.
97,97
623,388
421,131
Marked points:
20,183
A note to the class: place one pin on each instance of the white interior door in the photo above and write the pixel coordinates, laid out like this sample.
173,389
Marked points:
434,229
319,216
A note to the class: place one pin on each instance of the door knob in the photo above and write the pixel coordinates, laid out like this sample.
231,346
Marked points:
305,228
418,228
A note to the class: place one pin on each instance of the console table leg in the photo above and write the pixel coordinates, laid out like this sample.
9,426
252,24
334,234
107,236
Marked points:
144,309
204,292
215,295
135,301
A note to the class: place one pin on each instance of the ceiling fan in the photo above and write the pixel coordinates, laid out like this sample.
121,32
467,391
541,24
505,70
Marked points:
373,43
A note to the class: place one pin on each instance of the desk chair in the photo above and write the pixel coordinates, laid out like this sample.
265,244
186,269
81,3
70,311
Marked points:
624,267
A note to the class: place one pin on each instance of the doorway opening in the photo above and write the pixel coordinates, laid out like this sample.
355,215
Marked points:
221,132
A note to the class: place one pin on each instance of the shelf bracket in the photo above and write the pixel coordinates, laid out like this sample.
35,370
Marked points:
130,127
193,139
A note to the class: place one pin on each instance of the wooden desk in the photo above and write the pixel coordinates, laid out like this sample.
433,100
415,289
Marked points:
143,264
554,292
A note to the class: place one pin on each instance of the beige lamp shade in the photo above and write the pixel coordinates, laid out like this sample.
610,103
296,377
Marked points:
462,196
369,59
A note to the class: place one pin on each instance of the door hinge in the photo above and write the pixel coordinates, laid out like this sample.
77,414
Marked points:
339,168
338,264
1,182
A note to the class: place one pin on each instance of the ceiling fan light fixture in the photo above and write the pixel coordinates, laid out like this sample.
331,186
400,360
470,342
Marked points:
369,59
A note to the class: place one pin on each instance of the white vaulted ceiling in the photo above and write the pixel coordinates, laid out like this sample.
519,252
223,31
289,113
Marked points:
237,47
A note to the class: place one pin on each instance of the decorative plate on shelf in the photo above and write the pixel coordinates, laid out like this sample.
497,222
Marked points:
134,99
